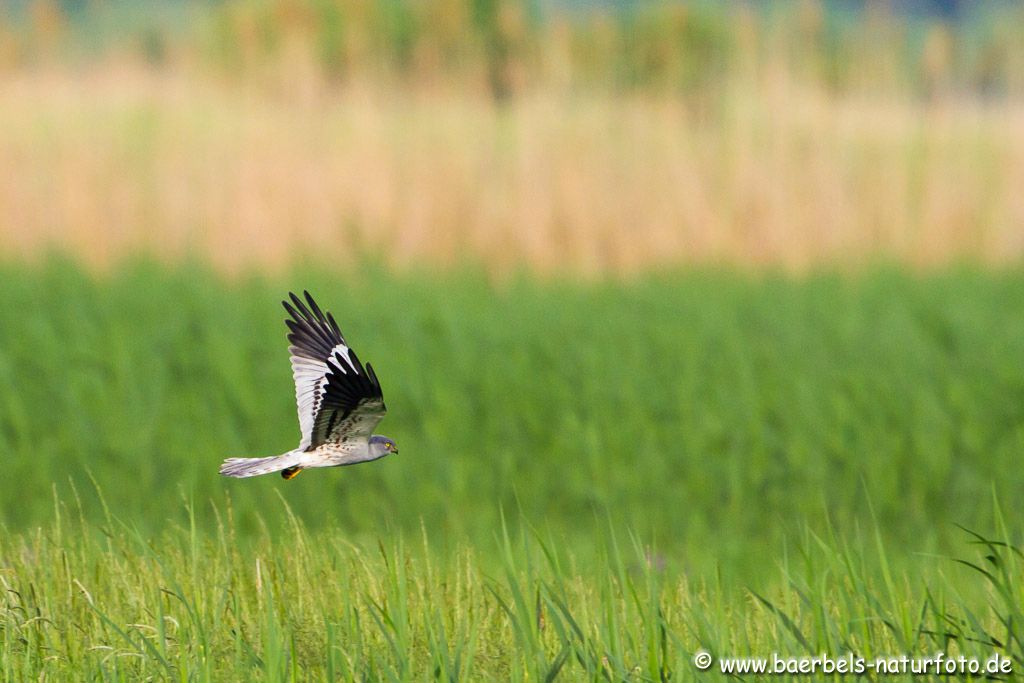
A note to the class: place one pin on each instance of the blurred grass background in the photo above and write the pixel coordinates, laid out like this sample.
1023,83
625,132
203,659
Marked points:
696,410
363,149
591,139
372,146
678,296
595,480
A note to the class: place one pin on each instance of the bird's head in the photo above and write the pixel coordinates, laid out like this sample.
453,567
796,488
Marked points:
382,445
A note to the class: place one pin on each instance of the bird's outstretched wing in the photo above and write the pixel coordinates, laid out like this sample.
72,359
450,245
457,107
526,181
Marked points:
337,398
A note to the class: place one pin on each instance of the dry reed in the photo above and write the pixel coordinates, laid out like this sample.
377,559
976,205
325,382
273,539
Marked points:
770,167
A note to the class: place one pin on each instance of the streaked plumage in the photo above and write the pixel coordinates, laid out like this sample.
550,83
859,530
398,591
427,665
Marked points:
339,401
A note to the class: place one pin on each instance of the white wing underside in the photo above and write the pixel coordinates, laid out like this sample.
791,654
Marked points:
310,377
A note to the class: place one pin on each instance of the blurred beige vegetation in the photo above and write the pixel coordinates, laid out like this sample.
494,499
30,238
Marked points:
262,133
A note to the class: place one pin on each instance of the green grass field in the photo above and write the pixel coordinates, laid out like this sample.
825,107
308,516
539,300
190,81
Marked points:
595,480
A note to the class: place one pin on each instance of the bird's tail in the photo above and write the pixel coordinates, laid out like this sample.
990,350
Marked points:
253,467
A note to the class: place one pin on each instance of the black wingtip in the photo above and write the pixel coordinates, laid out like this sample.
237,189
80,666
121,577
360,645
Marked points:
290,306
312,304
334,325
291,311
305,309
298,303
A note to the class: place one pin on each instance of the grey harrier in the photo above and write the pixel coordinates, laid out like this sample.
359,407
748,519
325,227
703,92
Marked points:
340,402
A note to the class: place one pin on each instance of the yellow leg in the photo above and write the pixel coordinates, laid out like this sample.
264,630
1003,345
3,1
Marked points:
291,472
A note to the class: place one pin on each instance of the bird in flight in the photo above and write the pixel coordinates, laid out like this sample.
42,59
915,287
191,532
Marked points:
340,402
